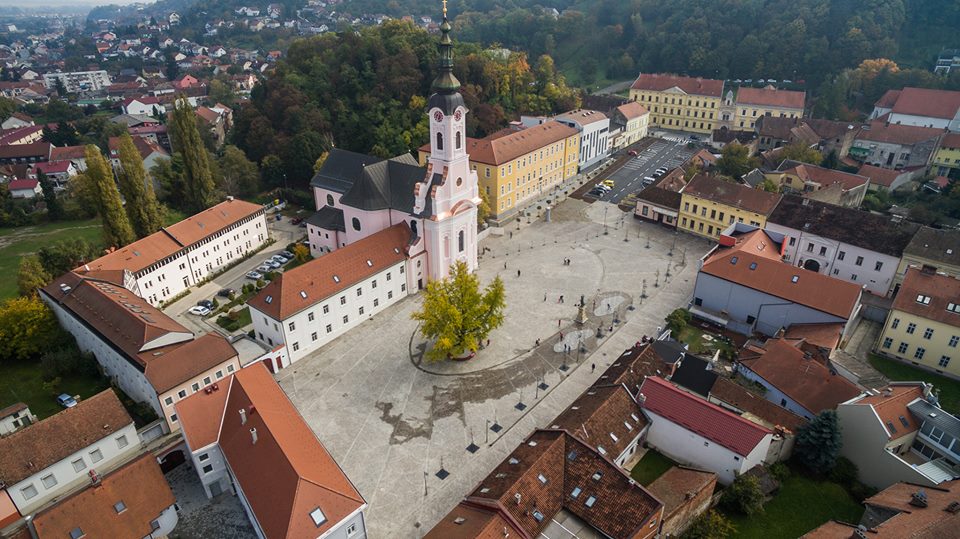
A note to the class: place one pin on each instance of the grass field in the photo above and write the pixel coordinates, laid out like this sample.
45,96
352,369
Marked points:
21,381
652,465
21,241
898,371
801,505
694,337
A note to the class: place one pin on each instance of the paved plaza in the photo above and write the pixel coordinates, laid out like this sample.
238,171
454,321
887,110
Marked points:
397,424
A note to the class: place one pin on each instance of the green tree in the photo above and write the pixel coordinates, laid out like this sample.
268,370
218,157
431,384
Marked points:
54,207
271,171
802,153
239,175
65,255
710,525
7,108
60,87
168,174
483,210
744,495
456,315
26,328
301,253
818,442
735,161
198,179
769,186
116,228
221,92
31,275
677,321
137,189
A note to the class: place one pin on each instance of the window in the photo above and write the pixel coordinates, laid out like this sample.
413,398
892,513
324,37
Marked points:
911,327
168,401
122,441
877,266
458,140
840,255
330,199
352,528
206,381
590,501
49,481
229,368
923,299
823,251
79,465
356,224
28,492
296,346
313,336
751,319
887,342
953,307
439,141
389,276
329,328
195,387
927,333
359,292
204,457
896,322
576,492
902,349
346,319
361,310
542,479
309,317
343,300
318,516
120,507
326,309
460,240
76,533
809,247
953,341
208,468
389,294
373,284
376,302
918,354
96,456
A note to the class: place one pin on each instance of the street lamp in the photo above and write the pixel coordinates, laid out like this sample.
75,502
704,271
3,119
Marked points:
605,231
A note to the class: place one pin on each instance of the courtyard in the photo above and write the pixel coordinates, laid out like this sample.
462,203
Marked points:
414,436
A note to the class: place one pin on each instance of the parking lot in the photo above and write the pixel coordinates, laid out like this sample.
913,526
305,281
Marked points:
629,178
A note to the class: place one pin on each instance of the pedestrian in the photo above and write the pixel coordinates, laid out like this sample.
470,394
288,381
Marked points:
504,265
593,367
511,234
544,296
488,342
518,274
538,342
558,325
561,299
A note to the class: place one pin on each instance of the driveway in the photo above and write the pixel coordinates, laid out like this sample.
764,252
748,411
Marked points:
628,179
415,437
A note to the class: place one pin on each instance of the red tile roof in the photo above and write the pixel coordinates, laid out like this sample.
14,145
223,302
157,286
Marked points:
888,99
890,404
68,152
701,417
52,167
17,185
145,147
825,176
201,414
771,97
317,280
212,220
897,134
880,176
680,484
935,521
503,147
752,404
600,414
694,86
732,194
170,366
140,485
951,141
19,151
942,291
804,380
632,110
754,262
822,335
926,102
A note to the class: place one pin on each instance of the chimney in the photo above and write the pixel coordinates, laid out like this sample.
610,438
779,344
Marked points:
253,435
94,478
243,416
641,398
517,497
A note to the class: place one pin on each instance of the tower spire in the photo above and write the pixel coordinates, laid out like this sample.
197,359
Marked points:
445,81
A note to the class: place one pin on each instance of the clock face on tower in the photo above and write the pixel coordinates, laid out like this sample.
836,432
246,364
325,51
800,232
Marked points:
457,115
438,116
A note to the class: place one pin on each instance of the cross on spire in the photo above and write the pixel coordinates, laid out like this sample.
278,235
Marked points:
444,9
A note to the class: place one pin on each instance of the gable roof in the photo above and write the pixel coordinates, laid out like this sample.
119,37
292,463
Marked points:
287,472
752,404
701,417
934,521
635,364
21,185
907,135
370,183
942,104
936,244
632,109
140,485
870,231
694,86
942,290
678,485
694,374
806,381
583,117
890,405
950,141
318,279
823,176
771,97
603,417
340,169
888,99
732,194
168,367
23,151
328,218
40,445
880,176
500,148
212,220
68,152
754,262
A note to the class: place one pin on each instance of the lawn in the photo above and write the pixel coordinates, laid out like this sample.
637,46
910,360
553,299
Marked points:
21,381
702,342
20,241
234,325
899,371
652,465
801,505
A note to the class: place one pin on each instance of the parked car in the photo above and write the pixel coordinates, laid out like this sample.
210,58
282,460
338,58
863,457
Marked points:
601,187
632,152
271,263
263,268
255,275
287,254
597,192
280,258
647,181
227,293
66,401
199,310
205,303
608,183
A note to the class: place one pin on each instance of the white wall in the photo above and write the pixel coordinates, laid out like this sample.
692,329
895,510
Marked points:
15,421
168,521
213,252
218,472
67,478
214,375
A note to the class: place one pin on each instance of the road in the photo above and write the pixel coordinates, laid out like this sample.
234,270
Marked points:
629,178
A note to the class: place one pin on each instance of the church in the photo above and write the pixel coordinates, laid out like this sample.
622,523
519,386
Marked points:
384,229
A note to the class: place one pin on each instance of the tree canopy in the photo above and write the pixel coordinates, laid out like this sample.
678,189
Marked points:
818,442
102,192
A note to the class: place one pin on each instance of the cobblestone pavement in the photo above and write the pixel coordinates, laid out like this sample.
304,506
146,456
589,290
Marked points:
201,518
393,421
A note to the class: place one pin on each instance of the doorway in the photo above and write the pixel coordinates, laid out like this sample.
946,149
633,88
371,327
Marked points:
812,265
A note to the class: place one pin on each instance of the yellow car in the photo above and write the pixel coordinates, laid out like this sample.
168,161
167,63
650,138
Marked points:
608,183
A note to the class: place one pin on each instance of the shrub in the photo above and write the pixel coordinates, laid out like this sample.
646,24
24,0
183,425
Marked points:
744,495
710,525
780,471
860,491
818,443
844,472
233,315
67,361
677,320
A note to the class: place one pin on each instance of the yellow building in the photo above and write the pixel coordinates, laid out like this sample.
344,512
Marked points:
709,205
517,166
934,247
753,103
923,326
679,103
946,160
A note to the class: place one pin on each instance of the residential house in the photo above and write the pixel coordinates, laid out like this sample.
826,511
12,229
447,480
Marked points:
744,285
693,374
78,81
922,107
900,433
53,457
937,248
246,437
923,325
819,183
632,120
75,155
59,172
147,106
827,136
165,263
753,406
720,138
17,119
147,354
694,432
710,205
679,103
754,103
607,418
946,160
947,60
550,484
21,135
660,201
886,179
793,378
218,120
13,154
16,416
887,145
131,501
149,150
686,493
859,247
24,188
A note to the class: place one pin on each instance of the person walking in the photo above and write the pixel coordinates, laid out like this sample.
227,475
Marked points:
544,296
518,274
593,367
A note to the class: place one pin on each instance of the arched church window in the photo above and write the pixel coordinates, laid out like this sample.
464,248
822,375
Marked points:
329,200
458,140
356,224
459,182
439,141
460,241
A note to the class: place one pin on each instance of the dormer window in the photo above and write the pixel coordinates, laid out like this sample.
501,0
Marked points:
923,299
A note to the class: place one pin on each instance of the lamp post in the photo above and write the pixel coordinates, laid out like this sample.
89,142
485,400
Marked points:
605,231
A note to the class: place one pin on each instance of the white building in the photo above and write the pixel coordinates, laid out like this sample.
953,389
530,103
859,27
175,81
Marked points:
631,120
858,247
79,81
16,416
692,431
148,105
248,438
56,456
164,264
922,107
594,128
